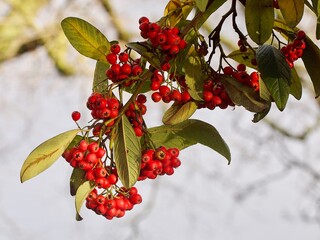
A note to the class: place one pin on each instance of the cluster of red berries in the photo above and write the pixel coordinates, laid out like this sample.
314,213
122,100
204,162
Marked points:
122,68
166,39
85,156
158,162
134,113
251,80
214,95
294,50
113,205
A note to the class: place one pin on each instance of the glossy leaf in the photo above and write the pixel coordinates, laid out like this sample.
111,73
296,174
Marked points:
244,57
100,81
259,17
145,51
261,115
192,67
188,133
263,91
296,86
81,195
292,11
127,153
311,60
43,156
272,63
86,38
175,11
279,90
243,95
179,112
202,4
77,178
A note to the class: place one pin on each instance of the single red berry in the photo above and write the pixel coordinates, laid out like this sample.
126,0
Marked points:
83,145
164,90
76,116
136,70
113,179
241,67
115,48
112,58
142,98
156,97
123,57
301,34
125,69
143,19
93,147
91,158
228,70
101,200
207,96
185,96
175,95
135,199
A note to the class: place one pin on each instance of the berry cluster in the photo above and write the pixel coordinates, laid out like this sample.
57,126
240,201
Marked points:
122,69
134,113
251,80
111,206
158,162
103,108
294,50
164,38
214,95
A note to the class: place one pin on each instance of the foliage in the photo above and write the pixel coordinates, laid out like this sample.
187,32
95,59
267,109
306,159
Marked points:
174,65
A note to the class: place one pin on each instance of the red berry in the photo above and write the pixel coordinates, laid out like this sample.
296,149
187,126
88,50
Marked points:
123,57
228,70
241,67
136,70
115,48
143,19
135,198
156,97
112,58
76,116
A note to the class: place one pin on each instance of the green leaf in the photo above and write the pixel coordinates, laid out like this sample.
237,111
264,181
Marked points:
311,60
145,51
263,91
100,81
179,112
272,63
214,6
188,133
202,4
243,95
260,115
86,38
81,195
175,11
77,178
279,90
292,11
192,67
296,86
127,153
259,19
244,57
43,156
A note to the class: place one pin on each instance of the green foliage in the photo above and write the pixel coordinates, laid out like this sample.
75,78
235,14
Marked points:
178,112
43,156
244,57
100,84
188,133
127,153
292,11
82,192
76,180
259,19
85,38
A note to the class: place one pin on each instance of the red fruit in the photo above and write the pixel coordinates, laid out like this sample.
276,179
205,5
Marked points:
155,86
174,50
91,158
144,27
110,203
77,155
125,69
161,38
165,67
100,172
120,203
84,165
185,96
175,95
182,44
175,162
123,57
135,199
114,113
101,200
113,103
168,170
115,48
115,68
136,70
93,147
254,76
174,152
164,90
138,131
301,34
142,98
83,145
207,96
216,100
241,67
102,183
90,175
75,116
143,19
101,210
112,58
133,190
92,195
156,97
228,70
112,178
100,153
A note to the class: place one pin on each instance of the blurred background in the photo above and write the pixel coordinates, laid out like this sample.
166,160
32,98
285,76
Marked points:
271,190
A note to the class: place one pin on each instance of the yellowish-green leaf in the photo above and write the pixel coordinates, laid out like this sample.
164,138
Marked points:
179,112
86,38
202,4
43,156
82,192
292,11
78,177
127,153
245,58
175,11
259,19
100,81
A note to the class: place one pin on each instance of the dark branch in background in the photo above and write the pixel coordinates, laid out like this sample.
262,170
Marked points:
122,34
